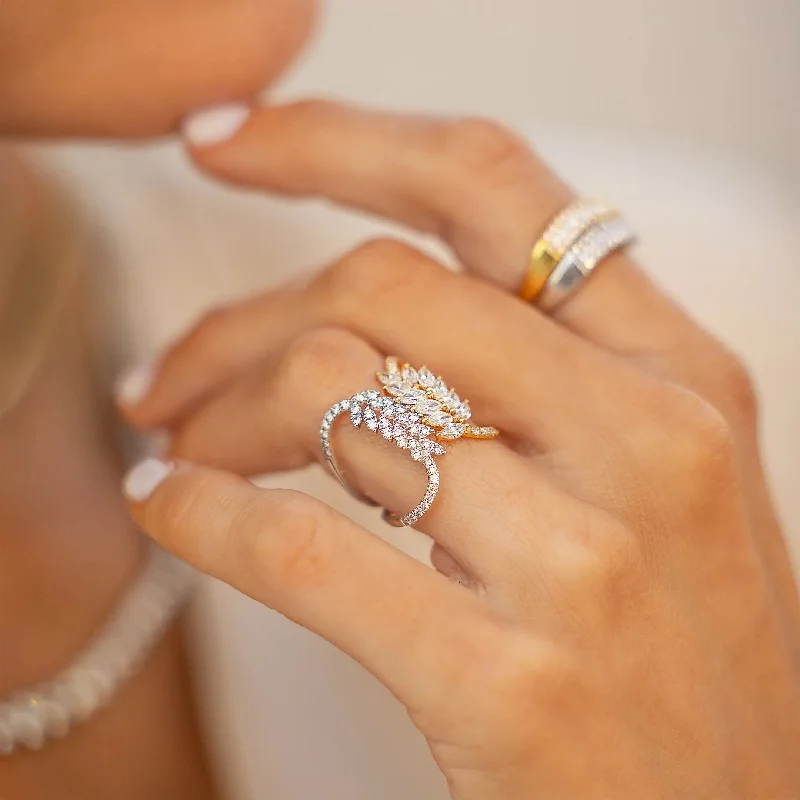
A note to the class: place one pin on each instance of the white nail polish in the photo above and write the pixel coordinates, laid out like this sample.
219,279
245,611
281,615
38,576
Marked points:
134,385
216,124
145,478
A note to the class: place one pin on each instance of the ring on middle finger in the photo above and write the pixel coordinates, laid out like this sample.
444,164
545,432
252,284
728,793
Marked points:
416,410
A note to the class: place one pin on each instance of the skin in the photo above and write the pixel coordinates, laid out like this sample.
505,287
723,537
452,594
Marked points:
66,71
613,613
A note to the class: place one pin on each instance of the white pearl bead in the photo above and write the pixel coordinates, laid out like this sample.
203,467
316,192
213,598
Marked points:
55,718
27,728
7,740
30,718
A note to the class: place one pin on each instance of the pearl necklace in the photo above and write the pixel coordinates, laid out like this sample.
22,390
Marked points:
31,717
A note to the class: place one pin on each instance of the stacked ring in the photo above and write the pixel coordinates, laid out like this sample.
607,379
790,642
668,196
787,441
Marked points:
416,410
579,261
578,239
567,227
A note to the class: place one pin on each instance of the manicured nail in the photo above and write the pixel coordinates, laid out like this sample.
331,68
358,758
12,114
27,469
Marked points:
134,385
145,478
216,124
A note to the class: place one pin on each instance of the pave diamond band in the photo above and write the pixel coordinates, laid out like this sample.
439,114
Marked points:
578,262
566,229
417,411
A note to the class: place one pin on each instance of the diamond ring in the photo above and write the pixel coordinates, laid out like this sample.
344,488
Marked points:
417,411
579,237
580,260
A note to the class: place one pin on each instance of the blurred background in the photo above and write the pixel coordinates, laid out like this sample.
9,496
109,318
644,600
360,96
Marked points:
685,114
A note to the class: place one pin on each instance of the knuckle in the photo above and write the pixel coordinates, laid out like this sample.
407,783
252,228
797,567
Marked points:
313,355
605,565
532,683
480,147
736,386
708,444
521,665
211,322
377,269
295,548
699,443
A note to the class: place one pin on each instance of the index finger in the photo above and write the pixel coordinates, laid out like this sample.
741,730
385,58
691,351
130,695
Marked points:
404,622
472,182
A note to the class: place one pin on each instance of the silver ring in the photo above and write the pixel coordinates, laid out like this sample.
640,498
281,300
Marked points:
415,410
372,408
580,260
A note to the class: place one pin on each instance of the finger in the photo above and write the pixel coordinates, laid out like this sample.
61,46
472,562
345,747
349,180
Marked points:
270,421
220,346
480,188
486,194
477,185
402,302
405,623
472,182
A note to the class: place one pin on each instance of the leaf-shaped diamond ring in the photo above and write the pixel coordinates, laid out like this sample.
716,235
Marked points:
417,411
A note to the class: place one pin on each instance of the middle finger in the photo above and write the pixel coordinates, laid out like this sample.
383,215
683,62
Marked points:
535,377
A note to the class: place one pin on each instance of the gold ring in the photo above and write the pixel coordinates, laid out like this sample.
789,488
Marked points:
562,232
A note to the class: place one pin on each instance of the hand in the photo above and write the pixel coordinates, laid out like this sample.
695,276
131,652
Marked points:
624,621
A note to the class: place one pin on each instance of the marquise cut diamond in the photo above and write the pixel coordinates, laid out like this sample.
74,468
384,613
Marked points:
426,378
428,406
412,397
453,430
438,418
440,390
399,387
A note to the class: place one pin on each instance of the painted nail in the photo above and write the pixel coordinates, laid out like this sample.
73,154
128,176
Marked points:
216,124
145,478
135,384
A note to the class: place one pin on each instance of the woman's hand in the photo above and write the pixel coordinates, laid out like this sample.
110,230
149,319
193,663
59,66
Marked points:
613,613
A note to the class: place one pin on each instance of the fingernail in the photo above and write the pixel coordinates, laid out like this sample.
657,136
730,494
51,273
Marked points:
216,124
134,385
145,478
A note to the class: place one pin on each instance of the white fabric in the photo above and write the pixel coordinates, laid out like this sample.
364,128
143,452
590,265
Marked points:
292,718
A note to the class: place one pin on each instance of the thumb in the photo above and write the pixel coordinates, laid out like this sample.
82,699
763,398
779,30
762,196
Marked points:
405,623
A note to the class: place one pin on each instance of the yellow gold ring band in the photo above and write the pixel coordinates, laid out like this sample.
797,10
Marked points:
561,234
